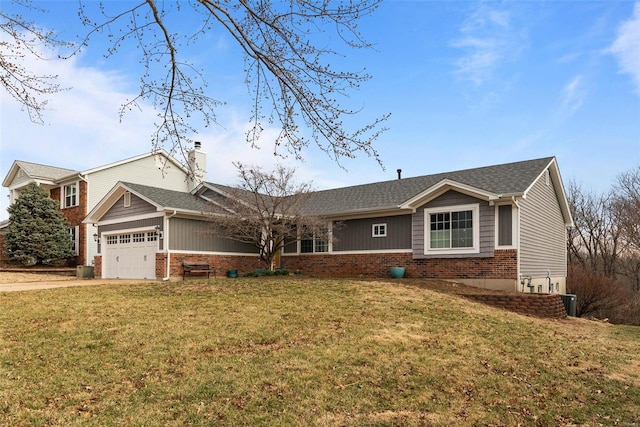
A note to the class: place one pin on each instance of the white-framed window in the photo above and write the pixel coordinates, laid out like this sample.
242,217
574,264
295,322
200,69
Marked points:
127,199
70,195
138,237
125,238
452,230
315,245
112,240
152,236
379,230
74,234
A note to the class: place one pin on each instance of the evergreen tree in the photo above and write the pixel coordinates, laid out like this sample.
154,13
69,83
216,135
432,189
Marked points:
37,232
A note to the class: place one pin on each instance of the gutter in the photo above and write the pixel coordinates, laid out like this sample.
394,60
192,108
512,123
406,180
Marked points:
166,243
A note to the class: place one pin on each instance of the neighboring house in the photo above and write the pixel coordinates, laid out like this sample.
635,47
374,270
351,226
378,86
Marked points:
501,227
80,191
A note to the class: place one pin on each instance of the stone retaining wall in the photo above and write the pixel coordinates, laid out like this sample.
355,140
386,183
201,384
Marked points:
540,305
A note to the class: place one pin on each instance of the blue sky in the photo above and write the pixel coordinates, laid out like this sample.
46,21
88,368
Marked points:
467,84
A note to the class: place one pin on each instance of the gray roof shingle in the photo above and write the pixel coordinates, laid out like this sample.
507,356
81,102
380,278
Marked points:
35,170
510,178
171,199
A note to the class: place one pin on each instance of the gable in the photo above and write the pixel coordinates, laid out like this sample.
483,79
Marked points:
136,207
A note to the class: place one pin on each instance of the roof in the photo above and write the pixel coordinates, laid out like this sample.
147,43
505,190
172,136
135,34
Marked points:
169,199
38,172
499,180
54,174
163,199
387,197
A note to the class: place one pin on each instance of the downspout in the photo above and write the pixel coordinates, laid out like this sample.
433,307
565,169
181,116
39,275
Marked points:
165,233
515,202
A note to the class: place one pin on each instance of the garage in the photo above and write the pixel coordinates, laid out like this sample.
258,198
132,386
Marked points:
130,255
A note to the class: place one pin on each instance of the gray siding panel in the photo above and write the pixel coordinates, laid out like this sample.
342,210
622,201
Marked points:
193,235
453,198
543,239
356,234
137,207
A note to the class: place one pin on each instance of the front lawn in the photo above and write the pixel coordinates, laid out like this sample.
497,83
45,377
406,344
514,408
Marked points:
294,351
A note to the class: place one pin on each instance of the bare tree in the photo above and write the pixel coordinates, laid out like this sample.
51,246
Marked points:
266,210
288,65
595,241
627,205
23,38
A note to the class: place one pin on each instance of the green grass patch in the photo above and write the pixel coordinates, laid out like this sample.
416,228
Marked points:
293,351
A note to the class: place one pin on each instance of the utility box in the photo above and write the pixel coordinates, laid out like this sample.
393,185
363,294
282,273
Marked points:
85,272
570,301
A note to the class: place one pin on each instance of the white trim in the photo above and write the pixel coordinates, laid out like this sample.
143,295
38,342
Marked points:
63,195
514,226
444,186
358,252
378,226
173,251
475,208
130,218
126,197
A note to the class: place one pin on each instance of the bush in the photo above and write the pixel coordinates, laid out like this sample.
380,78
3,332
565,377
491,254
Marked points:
597,295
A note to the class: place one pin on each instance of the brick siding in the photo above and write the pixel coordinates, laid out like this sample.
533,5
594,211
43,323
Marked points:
503,265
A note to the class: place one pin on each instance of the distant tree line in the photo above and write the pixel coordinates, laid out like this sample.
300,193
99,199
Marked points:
604,250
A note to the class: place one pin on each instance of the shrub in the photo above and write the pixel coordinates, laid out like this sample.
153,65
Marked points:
597,295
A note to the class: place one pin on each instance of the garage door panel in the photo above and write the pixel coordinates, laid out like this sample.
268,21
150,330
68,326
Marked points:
131,256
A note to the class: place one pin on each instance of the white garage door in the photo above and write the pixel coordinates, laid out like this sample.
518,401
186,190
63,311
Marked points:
130,255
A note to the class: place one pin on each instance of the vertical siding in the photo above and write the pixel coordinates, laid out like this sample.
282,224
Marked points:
542,233
138,207
451,199
194,235
356,235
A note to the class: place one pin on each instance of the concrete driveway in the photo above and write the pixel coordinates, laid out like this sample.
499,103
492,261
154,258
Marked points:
51,284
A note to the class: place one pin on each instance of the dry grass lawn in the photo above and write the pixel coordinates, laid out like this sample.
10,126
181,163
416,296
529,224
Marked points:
299,351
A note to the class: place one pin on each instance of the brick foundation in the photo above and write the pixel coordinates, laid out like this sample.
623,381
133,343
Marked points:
540,305
503,265
221,263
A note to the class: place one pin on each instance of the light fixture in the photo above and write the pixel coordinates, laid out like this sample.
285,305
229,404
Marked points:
160,233
95,237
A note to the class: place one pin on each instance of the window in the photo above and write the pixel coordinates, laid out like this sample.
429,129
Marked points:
138,237
73,233
70,195
308,246
452,230
379,230
125,238
152,236
505,225
112,240
127,199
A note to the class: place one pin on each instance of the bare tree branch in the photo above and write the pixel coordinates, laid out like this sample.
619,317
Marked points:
24,38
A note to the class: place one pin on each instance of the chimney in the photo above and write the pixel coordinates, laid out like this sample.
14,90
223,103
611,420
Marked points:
197,165
399,173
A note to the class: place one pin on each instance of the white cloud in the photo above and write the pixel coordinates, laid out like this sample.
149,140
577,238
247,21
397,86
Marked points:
572,97
626,47
488,39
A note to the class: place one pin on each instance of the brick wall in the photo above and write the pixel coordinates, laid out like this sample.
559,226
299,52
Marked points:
503,265
97,266
74,215
541,305
221,263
